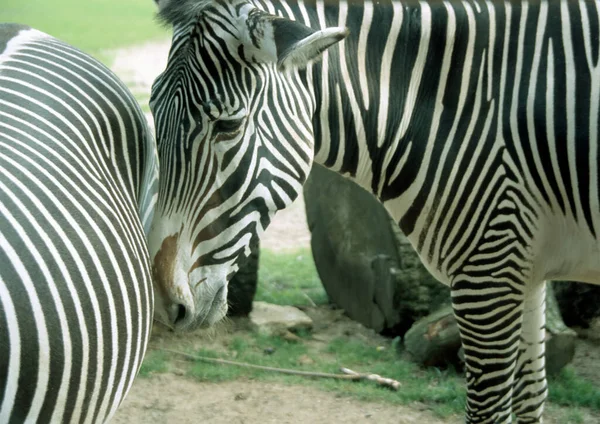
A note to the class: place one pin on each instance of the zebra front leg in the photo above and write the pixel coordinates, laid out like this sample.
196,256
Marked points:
530,389
489,315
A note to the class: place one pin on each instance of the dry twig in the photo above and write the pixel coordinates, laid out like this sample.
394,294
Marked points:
312,302
382,381
347,373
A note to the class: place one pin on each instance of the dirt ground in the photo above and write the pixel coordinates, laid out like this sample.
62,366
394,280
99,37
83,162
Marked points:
173,397
250,402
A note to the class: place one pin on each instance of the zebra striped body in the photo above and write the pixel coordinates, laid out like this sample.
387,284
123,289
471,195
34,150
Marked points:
76,178
474,122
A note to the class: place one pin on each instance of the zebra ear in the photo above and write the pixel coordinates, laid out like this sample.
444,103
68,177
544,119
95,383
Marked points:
298,45
293,45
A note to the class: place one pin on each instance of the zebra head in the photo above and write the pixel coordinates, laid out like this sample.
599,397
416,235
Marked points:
235,144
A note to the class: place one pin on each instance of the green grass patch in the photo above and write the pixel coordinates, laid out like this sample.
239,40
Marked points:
91,25
212,372
154,362
272,351
441,391
575,417
568,389
289,279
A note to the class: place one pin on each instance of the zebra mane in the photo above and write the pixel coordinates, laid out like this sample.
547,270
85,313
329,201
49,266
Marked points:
174,12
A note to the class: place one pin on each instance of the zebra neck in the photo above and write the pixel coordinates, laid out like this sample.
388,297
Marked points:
368,89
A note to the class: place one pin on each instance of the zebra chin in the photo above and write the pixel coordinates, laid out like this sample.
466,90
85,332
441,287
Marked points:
183,315
184,300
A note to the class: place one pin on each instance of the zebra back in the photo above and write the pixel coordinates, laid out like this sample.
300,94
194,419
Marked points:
76,171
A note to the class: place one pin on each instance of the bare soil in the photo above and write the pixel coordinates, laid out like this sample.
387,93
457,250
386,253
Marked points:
174,397
248,402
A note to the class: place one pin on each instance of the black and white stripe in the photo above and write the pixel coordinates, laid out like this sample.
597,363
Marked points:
77,174
474,122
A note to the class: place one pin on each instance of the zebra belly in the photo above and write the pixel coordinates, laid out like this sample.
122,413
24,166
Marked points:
567,251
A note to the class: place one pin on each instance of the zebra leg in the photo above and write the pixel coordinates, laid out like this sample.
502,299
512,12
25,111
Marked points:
530,389
489,314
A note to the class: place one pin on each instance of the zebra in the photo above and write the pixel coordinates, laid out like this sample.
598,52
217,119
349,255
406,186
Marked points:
78,172
474,122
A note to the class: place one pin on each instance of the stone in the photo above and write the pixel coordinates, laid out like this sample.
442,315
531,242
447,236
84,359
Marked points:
290,337
367,267
560,350
578,302
276,319
594,330
434,340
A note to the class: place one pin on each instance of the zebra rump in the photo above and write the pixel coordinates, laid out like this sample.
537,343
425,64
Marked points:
77,180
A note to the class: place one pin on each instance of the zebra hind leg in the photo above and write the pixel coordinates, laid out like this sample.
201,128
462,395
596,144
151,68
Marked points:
530,388
489,315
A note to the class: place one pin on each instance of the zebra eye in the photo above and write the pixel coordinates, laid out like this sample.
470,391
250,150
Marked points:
228,126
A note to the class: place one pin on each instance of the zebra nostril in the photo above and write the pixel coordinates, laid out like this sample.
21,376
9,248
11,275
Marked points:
180,313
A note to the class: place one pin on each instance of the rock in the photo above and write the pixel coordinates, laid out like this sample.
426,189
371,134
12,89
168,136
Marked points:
368,270
591,333
240,396
290,337
560,350
594,329
434,340
579,303
277,319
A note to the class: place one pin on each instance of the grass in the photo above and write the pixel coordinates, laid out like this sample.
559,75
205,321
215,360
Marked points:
575,417
568,389
441,391
154,362
91,25
289,279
